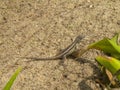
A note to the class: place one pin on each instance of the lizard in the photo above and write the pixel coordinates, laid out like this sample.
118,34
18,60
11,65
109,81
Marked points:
62,54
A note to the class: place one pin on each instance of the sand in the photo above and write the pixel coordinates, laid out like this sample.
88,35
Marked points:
41,28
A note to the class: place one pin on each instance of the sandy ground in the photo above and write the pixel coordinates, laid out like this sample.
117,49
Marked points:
40,28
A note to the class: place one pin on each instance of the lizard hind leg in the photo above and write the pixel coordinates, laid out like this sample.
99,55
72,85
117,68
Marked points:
62,60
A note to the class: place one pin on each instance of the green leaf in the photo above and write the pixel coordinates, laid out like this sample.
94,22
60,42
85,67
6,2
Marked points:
112,64
109,46
12,79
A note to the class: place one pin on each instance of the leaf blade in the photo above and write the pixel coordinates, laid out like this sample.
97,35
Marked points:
112,64
109,46
12,79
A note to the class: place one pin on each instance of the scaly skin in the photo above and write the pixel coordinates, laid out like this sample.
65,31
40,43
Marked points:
62,54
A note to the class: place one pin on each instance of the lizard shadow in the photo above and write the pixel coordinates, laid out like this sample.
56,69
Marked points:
82,85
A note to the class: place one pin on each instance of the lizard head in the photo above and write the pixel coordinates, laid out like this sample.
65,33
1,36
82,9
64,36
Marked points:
79,37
